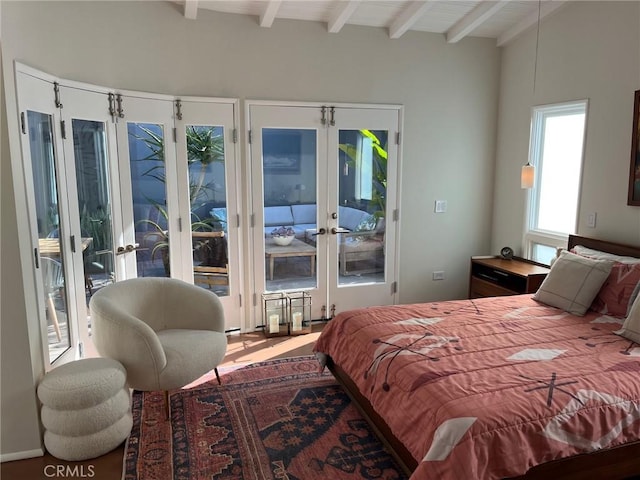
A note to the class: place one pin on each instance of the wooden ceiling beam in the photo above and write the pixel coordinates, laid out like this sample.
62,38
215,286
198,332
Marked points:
342,15
408,17
530,20
476,17
269,14
190,9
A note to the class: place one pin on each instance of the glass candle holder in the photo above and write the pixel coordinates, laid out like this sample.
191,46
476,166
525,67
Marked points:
275,314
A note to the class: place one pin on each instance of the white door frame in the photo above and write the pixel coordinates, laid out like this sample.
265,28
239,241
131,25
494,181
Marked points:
224,113
328,269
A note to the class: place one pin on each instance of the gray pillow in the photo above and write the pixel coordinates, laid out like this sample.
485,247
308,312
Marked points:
573,282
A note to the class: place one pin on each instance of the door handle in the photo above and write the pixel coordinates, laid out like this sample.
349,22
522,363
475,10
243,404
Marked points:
322,231
127,249
335,230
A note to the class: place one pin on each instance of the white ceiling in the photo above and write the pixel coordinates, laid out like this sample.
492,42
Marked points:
503,20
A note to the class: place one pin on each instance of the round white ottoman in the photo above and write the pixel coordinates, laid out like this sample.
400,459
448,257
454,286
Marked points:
85,408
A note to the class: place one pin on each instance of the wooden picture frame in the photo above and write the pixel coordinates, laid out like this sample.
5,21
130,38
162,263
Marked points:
634,169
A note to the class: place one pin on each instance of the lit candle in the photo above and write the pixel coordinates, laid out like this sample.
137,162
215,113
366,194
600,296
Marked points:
274,323
297,321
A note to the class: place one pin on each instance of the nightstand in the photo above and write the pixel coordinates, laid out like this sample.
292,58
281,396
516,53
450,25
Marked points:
495,276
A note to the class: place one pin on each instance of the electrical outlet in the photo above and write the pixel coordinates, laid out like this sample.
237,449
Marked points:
440,206
591,220
439,275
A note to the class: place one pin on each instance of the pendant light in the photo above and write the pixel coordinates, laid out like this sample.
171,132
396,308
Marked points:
528,174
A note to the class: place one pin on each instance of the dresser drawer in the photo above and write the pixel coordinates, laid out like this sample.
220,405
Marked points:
482,288
499,278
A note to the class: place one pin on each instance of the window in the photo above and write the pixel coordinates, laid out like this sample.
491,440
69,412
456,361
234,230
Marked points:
556,150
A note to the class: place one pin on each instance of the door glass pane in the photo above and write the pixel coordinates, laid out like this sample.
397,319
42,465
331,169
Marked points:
148,185
289,159
208,203
49,235
362,189
94,203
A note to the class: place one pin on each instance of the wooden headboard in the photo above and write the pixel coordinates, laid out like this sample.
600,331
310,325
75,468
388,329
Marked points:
604,246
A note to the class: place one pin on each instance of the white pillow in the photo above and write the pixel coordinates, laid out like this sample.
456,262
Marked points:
631,326
598,255
573,282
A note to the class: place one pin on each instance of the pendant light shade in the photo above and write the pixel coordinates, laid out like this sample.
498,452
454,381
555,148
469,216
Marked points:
527,176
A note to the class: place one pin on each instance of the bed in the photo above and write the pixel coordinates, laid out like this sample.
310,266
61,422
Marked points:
504,387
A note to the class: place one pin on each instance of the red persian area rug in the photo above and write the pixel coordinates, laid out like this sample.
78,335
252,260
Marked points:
280,419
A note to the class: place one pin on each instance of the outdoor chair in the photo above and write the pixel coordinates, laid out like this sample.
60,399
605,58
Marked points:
53,281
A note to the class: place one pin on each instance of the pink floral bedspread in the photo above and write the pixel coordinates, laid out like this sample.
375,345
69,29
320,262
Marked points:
488,388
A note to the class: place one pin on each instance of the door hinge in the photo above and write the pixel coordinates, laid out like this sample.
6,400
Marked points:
175,135
249,136
240,300
56,94
81,349
63,129
36,257
178,109
396,215
394,288
179,224
253,219
255,299
234,135
119,102
397,138
72,241
23,123
238,220
112,106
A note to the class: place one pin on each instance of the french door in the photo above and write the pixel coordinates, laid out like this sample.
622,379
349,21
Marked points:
122,186
327,176
52,236
93,197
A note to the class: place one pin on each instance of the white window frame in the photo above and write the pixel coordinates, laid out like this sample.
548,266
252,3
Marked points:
533,235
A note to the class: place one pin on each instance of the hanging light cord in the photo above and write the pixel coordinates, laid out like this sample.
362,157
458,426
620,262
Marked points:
535,63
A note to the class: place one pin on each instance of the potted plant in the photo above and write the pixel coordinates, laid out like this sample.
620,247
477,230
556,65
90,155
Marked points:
379,170
205,145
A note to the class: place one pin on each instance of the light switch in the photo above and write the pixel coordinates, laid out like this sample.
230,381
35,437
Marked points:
591,220
441,206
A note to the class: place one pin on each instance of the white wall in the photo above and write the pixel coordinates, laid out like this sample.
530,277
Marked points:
450,93
586,50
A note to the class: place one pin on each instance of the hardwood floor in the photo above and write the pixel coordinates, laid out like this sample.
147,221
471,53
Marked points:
241,349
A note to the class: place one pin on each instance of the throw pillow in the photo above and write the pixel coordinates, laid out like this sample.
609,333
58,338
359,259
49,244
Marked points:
599,255
573,282
631,327
614,298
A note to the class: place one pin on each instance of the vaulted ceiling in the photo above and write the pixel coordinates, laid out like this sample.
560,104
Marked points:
503,20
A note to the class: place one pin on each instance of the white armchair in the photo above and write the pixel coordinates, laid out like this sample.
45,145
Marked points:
166,332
